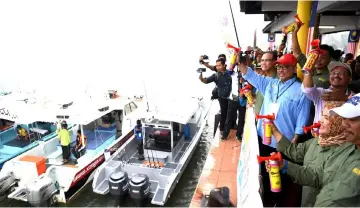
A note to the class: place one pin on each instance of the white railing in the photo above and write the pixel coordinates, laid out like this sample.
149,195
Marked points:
248,184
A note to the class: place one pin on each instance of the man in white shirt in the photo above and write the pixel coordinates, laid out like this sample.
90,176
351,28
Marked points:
340,77
234,108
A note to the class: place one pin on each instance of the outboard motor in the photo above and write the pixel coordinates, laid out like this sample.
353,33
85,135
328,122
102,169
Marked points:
41,193
139,188
119,186
7,182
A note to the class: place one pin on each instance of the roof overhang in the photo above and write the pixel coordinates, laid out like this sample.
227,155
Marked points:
271,9
343,15
340,23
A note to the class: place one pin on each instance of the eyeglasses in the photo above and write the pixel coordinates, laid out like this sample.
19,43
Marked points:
284,68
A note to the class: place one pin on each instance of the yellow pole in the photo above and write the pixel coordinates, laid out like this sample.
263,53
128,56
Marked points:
304,12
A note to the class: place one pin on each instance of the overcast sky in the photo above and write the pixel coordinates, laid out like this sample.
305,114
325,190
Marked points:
62,44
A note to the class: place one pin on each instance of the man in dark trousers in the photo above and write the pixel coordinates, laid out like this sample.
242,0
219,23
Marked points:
223,82
234,108
139,138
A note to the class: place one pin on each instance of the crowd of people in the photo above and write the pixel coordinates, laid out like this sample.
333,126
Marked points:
318,168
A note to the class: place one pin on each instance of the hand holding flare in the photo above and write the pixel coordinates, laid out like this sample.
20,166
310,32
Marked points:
272,164
267,131
247,92
313,56
291,28
234,55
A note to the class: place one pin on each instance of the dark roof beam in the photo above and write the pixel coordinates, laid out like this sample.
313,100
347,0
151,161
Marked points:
278,6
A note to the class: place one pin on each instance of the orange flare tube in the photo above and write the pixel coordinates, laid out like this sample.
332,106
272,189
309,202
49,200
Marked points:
267,131
269,117
313,56
277,156
236,49
247,92
308,128
233,58
290,28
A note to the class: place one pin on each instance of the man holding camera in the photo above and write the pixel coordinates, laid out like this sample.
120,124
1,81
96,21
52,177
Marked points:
204,59
223,81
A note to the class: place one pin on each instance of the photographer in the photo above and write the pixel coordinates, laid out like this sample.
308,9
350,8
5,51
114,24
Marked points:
204,61
223,82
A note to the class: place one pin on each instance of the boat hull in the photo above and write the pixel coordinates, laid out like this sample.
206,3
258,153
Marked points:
162,180
85,175
192,150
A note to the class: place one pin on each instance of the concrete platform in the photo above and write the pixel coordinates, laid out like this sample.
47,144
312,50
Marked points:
220,169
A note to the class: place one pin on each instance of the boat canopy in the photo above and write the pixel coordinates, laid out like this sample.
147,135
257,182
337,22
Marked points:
84,112
19,109
179,111
23,113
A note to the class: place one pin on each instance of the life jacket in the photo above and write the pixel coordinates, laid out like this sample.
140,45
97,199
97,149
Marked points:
81,141
138,132
22,132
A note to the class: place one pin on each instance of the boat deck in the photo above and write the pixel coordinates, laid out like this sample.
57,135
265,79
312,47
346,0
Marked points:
220,169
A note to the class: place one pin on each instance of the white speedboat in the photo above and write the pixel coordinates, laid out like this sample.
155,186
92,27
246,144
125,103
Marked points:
16,111
171,134
39,176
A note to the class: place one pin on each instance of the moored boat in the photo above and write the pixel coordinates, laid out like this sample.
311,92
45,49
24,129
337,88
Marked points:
106,124
170,136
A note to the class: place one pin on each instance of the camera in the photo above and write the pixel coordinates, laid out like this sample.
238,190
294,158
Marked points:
247,52
205,59
242,57
201,70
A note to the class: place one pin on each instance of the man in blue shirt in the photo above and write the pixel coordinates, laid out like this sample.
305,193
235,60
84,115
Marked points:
139,137
223,82
284,98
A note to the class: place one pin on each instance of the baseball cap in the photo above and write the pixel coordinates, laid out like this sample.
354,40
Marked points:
286,59
350,109
334,64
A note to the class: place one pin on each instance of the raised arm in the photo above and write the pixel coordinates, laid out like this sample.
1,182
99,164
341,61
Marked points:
259,82
211,67
207,65
308,80
295,42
